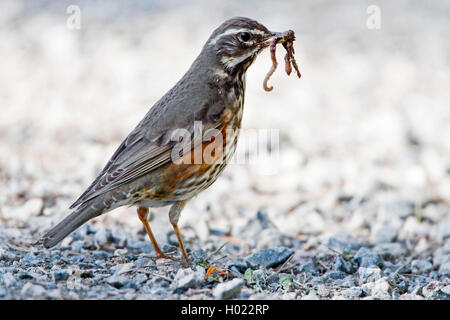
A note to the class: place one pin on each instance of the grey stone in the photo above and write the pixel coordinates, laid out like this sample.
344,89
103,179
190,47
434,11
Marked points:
103,236
444,228
343,265
100,254
370,274
334,275
142,262
32,290
118,281
402,209
343,243
7,279
366,258
308,267
7,255
61,275
421,266
142,246
446,290
254,226
352,293
140,278
268,258
431,290
378,289
77,245
229,289
384,233
199,254
187,278
240,267
444,269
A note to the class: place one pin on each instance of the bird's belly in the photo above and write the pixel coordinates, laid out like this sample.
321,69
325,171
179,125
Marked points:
186,180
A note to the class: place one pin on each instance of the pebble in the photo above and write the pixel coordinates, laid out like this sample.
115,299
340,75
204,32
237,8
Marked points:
30,290
118,281
384,233
352,293
102,236
366,258
61,275
421,266
188,278
268,258
370,274
444,269
228,289
378,289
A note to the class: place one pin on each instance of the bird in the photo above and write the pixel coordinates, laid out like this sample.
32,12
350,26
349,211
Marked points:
203,111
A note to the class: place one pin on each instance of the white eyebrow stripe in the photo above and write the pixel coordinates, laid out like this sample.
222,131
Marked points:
232,31
230,62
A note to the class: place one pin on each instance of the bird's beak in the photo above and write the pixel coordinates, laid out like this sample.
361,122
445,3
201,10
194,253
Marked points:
275,36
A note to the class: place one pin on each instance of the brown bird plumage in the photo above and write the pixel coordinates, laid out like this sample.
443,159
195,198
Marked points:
142,172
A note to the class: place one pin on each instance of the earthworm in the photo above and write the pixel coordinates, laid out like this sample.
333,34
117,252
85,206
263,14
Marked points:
289,38
289,60
273,46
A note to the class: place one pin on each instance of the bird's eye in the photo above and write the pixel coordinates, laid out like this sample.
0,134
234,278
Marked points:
245,36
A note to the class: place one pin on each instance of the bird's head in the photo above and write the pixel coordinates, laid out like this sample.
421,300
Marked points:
236,43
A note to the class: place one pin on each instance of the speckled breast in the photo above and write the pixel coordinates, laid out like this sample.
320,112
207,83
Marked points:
184,181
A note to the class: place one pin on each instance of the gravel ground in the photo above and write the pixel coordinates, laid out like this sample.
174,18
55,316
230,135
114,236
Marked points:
357,206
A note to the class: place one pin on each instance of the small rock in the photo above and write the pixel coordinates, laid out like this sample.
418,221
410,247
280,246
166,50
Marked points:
343,265
446,290
402,209
444,228
444,269
61,275
308,267
379,289
100,254
268,258
421,266
120,252
371,274
118,281
141,246
322,290
187,278
122,268
199,255
7,255
431,290
32,207
384,233
240,267
142,262
103,236
312,295
352,293
229,289
366,258
32,290
343,243
254,226
140,278
7,279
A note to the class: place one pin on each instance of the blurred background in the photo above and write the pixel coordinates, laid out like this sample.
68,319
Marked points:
364,134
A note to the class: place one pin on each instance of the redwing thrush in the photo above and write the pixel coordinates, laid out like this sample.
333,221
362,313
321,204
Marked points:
142,172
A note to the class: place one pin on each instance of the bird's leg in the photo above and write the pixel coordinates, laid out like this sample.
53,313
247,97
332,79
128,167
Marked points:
143,216
174,215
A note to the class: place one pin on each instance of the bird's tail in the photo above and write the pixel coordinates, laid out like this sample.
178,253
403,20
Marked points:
69,224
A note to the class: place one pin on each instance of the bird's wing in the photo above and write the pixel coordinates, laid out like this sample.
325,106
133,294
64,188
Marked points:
149,146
